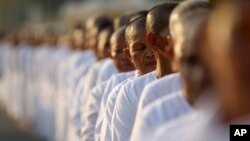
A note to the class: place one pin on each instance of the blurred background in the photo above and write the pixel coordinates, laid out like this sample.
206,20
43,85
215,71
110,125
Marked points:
62,13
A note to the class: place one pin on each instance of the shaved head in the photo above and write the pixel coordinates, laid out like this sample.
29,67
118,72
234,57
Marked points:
117,36
138,15
104,43
93,27
118,44
138,24
158,19
122,20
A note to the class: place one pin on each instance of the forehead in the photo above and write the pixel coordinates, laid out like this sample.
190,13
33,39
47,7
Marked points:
117,38
136,33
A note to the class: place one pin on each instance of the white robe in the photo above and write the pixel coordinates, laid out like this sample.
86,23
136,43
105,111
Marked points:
106,71
103,128
126,107
80,70
160,88
91,110
204,124
69,77
111,84
92,107
105,68
158,113
181,129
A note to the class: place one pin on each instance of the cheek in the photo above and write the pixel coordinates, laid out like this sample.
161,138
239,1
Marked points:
137,60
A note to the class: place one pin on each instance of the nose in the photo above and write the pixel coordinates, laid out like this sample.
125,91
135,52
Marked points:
149,52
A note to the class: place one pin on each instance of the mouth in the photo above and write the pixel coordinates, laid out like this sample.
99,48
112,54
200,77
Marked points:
151,63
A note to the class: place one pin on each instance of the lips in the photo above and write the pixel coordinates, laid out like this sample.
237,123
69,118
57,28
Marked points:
151,63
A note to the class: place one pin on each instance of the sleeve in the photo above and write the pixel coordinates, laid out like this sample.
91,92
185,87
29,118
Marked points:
142,129
92,110
124,114
106,124
107,90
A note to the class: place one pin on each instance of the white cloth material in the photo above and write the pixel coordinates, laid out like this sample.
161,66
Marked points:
111,84
77,66
156,90
160,88
92,107
107,70
91,79
159,112
181,129
126,107
205,124
91,112
103,131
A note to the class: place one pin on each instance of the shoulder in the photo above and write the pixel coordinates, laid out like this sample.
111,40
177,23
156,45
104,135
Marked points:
169,106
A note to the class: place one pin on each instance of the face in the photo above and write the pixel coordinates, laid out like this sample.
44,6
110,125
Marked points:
91,35
104,44
140,51
118,44
77,39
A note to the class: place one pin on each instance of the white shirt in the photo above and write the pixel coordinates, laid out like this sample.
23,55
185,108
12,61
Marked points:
106,71
91,111
64,125
79,70
111,84
158,113
205,124
126,107
91,79
159,88
181,129
105,129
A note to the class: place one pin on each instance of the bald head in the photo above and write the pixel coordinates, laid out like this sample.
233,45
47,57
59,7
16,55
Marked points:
187,14
158,19
121,21
132,29
117,37
99,22
93,27
137,14
118,44
104,43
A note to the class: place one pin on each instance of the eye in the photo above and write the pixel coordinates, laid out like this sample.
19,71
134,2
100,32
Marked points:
139,47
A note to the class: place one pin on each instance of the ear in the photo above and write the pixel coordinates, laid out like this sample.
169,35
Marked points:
127,53
169,50
151,39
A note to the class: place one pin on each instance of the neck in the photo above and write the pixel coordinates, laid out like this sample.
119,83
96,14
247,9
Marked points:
162,66
190,96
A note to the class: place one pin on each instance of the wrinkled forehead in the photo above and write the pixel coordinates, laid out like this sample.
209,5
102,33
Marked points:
136,33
